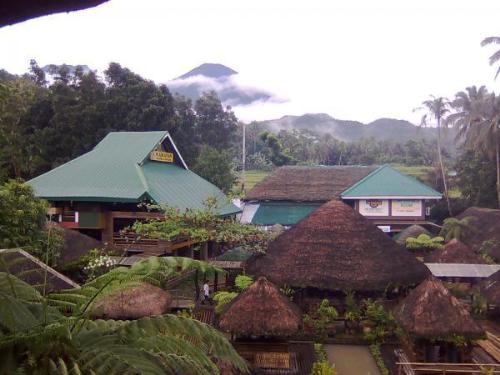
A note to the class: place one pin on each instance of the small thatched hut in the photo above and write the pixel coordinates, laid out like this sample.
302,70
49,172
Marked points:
411,231
261,310
454,252
133,302
337,249
435,321
490,289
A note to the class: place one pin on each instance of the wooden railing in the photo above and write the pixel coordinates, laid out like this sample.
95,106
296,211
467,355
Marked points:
149,246
410,368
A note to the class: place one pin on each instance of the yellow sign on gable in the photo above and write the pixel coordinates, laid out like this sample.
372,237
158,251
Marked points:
165,157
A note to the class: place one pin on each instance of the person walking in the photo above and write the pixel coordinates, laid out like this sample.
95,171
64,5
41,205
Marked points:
206,292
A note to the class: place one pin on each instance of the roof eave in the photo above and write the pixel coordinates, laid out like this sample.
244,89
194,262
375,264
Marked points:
391,197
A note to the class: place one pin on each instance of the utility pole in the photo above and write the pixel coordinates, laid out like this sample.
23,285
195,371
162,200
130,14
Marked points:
243,156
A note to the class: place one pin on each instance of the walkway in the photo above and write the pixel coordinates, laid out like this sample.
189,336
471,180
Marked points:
352,359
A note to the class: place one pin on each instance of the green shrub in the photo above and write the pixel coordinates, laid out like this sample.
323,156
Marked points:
377,356
243,281
384,325
320,319
323,368
424,242
222,299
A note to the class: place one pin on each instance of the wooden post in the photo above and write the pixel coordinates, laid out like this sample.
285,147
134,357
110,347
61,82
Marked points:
196,287
204,251
191,253
216,281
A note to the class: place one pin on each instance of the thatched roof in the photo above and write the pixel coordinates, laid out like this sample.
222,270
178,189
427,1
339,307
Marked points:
431,311
261,310
411,231
133,302
454,252
486,226
308,184
22,10
336,248
490,288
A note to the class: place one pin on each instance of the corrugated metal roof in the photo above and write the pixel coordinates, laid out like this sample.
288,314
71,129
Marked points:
118,170
385,181
282,213
462,270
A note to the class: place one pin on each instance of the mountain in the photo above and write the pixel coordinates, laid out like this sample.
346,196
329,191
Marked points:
352,131
209,70
221,79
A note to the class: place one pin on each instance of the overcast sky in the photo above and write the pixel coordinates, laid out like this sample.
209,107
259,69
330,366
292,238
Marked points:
357,60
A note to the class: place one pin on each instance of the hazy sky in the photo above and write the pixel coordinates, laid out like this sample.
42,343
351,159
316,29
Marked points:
357,60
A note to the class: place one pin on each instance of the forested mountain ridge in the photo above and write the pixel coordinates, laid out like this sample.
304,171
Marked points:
352,131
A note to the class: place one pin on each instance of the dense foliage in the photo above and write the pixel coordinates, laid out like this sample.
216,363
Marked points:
424,242
203,225
37,338
44,124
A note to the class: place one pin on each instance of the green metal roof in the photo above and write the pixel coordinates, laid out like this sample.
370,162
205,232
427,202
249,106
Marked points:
385,181
284,213
118,170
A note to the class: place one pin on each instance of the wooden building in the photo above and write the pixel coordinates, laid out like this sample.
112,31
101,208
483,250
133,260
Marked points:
336,249
389,198
438,327
104,191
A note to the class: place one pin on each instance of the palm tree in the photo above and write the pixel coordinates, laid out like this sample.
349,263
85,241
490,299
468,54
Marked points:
454,228
496,56
437,108
54,334
477,119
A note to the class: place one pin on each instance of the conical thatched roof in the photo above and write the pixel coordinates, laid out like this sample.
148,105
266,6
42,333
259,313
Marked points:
261,310
335,248
411,231
490,288
430,311
134,302
454,252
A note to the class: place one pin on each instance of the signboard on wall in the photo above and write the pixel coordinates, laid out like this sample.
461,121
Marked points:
374,207
165,157
407,207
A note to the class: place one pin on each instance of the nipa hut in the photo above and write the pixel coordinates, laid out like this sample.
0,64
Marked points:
336,249
454,251
263,311
439,327
133,302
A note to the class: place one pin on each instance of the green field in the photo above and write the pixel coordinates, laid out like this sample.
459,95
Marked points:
417,171
252,177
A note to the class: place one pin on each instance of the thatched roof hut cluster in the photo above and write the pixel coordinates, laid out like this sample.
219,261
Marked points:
133,302
431,311
261,310
454,251
335,249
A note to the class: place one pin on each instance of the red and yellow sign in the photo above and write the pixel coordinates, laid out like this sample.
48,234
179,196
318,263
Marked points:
165,157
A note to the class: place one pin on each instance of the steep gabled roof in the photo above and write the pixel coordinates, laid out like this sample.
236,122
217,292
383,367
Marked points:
454,252
261,310
431,311
385,181
336,248
118,169
308,184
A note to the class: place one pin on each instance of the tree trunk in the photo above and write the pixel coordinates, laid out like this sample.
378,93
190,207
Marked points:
497,151
443,173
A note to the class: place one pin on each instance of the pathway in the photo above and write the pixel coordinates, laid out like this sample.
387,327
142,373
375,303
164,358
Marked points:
352,359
